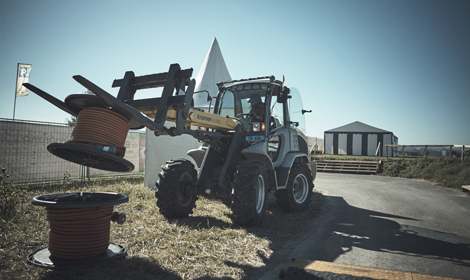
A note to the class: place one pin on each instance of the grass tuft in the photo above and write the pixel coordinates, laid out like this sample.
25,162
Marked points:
447,172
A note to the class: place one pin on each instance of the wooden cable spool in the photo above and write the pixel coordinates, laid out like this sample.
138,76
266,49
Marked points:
97,140
79,228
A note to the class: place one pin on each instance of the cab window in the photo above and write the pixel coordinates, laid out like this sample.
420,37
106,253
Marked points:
227,104
277,114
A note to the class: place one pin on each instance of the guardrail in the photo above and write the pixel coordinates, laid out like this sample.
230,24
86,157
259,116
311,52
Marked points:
426,149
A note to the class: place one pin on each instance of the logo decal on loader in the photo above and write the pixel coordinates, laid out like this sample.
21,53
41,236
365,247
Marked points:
207,119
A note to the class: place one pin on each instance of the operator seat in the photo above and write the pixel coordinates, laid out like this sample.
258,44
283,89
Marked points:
257,108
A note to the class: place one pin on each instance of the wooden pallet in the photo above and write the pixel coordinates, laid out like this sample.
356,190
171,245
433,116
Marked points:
348,166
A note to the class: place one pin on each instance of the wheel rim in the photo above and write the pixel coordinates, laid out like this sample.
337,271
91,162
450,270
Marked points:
183,197
300,188
260,192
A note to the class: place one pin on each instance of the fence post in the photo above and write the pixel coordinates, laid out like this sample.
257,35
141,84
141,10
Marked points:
81,173
426,152
378,151
403,152
386,150
463,152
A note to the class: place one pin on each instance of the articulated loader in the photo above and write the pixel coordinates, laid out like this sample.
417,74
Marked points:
252,141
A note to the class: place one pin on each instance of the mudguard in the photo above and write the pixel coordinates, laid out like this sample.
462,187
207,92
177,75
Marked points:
258,152
283,171
313,169
198,154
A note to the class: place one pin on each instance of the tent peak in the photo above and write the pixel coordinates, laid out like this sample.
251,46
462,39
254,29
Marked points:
212,71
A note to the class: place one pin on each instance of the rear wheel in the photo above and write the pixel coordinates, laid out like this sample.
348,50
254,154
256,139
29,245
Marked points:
176,197
250,192
297,196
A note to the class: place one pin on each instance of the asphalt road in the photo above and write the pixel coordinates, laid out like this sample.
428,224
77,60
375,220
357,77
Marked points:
391,223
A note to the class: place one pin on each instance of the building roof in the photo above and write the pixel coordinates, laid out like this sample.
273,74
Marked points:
357,127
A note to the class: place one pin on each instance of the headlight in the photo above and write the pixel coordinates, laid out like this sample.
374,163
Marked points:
256,127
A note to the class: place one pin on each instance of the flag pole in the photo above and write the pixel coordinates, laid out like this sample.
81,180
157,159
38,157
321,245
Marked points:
16,89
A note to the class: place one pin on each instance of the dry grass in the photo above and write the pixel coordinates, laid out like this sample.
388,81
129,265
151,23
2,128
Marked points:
205,245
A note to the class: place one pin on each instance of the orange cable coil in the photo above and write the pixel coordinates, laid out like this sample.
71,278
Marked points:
99,126
79,233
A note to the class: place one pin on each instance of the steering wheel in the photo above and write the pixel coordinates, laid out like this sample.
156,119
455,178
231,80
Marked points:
248,116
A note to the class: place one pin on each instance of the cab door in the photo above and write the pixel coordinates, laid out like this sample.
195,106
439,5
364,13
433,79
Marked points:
278,133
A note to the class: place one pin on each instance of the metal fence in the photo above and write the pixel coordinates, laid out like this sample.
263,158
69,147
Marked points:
430,150
23,149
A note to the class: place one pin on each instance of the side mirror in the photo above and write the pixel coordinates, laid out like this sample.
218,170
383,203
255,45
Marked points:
282,97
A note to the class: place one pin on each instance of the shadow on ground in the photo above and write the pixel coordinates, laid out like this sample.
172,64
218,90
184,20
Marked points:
320,237
354,227
372,230
128,268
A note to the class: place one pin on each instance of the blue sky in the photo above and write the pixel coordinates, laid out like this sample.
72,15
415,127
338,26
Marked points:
402,66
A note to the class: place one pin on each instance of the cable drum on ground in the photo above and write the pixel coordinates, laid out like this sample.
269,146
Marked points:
79,228
79,233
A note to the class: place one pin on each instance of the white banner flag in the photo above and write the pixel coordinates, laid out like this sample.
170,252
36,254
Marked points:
23,77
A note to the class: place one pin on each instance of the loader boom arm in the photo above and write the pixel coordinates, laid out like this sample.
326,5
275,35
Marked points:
173,105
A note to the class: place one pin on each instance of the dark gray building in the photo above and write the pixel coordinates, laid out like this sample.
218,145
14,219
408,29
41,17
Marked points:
358,139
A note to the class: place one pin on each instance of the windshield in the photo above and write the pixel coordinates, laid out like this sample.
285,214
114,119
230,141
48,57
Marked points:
296,107
234,100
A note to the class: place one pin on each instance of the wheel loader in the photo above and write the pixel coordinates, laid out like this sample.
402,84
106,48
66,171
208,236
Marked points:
252,141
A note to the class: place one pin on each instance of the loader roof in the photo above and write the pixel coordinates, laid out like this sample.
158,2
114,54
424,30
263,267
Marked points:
264,80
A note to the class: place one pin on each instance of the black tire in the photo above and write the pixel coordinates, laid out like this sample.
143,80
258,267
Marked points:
250,193
298,194
172,199
227,201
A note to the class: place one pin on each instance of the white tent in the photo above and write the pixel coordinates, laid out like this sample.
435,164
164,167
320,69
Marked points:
357,139
160,149
212,71
315,145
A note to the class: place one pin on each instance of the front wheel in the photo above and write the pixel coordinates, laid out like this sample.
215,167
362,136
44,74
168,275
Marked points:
298,193
250,193
176,197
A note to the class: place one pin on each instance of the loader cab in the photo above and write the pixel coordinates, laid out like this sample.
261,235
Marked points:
283,104
233,100
283,124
